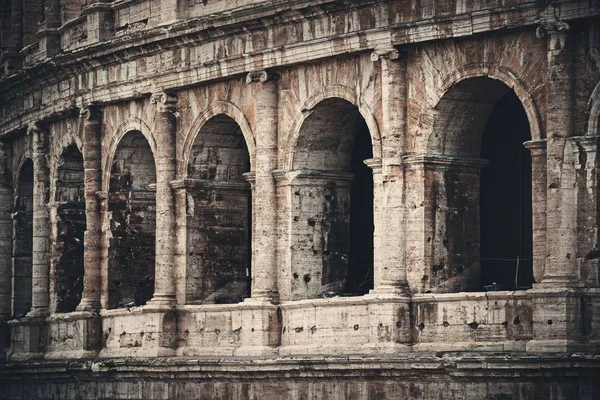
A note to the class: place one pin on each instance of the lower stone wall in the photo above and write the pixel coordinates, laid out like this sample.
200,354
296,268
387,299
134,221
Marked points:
441,376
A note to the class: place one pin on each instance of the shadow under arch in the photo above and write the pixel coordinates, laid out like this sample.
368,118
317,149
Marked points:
131,124
219,108
332,92
218,225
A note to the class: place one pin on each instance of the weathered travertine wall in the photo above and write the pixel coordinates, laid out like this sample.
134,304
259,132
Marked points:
293,199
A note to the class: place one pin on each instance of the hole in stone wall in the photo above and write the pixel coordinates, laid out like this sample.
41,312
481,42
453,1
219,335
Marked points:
132,206
23,241
70,229
506,206
219,231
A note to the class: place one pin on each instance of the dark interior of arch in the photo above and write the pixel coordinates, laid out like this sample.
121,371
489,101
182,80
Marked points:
23,241
463,113
70,229
335,138
482,221
506,205
132,206
219,215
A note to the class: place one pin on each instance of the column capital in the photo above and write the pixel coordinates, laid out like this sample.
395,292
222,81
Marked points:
91,112
548,28
34,128
164,100
390,54
261,76
250,177
375,164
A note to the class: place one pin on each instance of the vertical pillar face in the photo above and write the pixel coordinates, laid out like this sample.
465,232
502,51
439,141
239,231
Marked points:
450,250
132,214
219,219
264,206
41,223
93,237
68,254
560,268
538,197
165,131
584,151
32,14
389,249
319,214
22,282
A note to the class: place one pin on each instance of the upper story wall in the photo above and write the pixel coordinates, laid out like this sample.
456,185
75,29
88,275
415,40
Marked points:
123,50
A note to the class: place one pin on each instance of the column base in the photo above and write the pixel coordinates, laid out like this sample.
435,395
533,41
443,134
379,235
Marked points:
89,305
387,290
38,313
263,296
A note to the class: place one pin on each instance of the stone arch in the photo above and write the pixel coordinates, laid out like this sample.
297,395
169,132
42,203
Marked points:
332,192
131,124
484,70
481,211
336,91
592,123
219,108
22,248
68,215
219,214
132,220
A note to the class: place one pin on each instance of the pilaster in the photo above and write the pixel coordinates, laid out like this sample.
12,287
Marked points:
389,241
166,129
41,224
264,200
92,258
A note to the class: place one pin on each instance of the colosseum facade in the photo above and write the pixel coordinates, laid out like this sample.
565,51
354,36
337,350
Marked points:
252,199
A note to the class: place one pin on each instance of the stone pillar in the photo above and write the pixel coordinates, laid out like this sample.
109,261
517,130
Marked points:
41,224
93,240
584,158
560,269
442,222
180,256
165,129
264,202
556,308
102,197
48,31
537,149
11,60
389,240
315,233
99,21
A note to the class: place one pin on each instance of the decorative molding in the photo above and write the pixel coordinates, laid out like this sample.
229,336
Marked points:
164,99
261,76
390,54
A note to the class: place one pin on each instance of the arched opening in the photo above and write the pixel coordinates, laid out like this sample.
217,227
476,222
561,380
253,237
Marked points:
70,221
219,215
506,206
23,242
132,211
480,179
332,203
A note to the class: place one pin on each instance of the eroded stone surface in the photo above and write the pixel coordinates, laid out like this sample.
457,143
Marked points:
284,185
